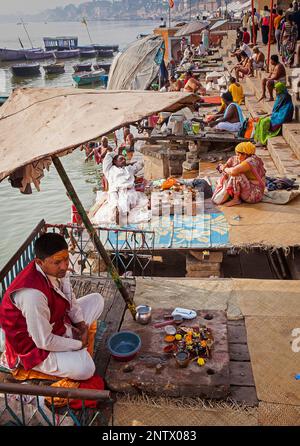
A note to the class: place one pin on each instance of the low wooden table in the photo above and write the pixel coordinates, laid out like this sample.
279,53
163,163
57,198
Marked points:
157,373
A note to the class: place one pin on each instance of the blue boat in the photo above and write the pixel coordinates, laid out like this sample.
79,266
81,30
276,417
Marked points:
86,78
3,99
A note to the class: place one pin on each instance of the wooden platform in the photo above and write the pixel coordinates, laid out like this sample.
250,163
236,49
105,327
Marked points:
157,373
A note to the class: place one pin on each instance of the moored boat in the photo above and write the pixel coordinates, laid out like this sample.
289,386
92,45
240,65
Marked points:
24,69
105,53
106,47
86,66
54,68
7,54
3,99
88,53
85,78
39,55
102,66
66,54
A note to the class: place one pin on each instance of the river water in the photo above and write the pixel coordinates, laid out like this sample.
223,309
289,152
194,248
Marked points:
20,213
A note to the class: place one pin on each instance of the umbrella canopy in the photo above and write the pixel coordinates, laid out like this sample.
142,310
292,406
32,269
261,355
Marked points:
191,28
138,65
36,123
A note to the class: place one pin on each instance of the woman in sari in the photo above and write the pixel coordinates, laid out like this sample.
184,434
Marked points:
282,112
288,40
243,178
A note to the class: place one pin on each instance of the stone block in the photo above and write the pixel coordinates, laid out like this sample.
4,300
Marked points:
214,256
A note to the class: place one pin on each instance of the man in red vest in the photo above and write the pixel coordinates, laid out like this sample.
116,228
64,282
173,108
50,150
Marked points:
45,326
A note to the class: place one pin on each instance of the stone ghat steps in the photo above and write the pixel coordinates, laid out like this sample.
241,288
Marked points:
284,150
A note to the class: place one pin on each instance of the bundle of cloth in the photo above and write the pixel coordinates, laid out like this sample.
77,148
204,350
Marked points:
280,183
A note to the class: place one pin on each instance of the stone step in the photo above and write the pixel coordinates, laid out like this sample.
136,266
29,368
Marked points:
283,156
270,167
291,134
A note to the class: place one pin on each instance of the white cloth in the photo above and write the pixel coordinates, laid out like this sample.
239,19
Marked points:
132,205
201,51
229,126
77,365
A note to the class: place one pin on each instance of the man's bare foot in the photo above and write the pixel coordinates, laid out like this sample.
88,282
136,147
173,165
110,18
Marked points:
233,202
260,99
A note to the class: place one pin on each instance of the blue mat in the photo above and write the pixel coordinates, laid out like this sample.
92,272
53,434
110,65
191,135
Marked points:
201,231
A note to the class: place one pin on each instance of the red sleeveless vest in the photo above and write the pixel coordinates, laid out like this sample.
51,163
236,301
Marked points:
18,342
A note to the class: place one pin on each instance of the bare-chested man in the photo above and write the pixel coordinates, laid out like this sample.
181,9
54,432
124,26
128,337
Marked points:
232,119
277,74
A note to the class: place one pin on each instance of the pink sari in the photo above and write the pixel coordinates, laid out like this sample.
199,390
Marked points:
249,191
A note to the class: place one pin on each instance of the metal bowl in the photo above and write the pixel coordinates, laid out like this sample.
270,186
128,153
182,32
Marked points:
124,345
143,314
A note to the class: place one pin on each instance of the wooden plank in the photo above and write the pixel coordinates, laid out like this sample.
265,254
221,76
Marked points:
244,395
239,352
255,265
240,374
237,334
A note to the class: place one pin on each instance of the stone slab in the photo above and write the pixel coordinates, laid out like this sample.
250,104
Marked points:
209,381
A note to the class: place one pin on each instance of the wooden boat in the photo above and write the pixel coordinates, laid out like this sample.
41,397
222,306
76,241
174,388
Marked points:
105,53
7,54
24,69
86,78
3,99
66,54
39,55
106,47
54,68
102,66
87,66
60,43
88,53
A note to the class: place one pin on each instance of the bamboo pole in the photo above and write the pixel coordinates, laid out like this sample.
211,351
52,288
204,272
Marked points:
94,236
270,33
253,26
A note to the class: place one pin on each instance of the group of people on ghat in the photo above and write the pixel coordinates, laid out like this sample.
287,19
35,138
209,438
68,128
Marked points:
280,27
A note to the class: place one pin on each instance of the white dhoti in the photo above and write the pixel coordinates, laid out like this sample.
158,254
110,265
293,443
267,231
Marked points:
77,365
229,126
131,204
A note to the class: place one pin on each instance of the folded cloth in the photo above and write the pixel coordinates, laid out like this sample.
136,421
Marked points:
280,183
95,382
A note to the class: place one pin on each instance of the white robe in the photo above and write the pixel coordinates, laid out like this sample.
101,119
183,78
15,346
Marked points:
132,205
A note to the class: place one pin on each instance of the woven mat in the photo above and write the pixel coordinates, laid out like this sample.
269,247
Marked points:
278,415
264,224
208,294
268,297
165,413
274,364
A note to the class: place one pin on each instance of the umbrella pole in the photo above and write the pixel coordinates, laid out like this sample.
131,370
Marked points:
94,236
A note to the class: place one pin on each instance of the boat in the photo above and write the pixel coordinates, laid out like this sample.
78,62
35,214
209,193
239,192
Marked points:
82,67
60,43
54,68
7,54
88,53
39,55
102,66
85,78
113,48
105,53
3,99
66,54
24,69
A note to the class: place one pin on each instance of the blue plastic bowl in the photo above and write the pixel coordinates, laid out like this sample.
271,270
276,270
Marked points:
124,345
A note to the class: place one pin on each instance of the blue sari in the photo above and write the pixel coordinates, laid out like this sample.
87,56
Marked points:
283,110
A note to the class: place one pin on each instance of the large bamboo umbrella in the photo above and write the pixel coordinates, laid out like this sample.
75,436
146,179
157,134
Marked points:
52,122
